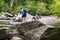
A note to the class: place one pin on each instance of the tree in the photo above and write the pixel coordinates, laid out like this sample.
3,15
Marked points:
55,8
13,2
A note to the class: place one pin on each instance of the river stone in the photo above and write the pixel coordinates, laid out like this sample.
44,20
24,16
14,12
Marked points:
35,34
26,26
4,33
16,38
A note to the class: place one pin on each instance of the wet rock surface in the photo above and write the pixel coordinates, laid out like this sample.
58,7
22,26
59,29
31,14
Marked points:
5,21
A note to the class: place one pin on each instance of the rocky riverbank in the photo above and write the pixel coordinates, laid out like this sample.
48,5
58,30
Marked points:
30,30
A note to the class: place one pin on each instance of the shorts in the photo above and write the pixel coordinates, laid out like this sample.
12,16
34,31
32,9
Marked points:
24,15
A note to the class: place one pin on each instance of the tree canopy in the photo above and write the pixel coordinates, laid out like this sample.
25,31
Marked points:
45,7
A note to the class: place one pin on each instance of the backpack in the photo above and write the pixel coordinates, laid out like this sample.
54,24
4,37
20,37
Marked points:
22,11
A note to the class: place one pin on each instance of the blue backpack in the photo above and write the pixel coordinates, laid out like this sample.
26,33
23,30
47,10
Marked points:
22,11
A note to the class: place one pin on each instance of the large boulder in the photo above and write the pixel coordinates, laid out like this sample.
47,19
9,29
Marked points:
19,20
49,20
6,14
29,17
51,34
27,26
35,34
13,33
5,21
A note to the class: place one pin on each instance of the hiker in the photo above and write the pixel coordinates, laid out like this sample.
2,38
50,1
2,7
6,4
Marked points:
23,13
36,17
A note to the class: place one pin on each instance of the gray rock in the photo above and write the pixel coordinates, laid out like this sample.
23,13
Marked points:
29,17
19,20
35,34
4,33
13,33
49,20
26,26
7,14
5,21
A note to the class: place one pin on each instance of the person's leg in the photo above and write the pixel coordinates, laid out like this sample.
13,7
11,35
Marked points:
24,17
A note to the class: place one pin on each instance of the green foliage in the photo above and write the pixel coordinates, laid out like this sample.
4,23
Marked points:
45,7
31,7
38,7
3,6
55,8
41,8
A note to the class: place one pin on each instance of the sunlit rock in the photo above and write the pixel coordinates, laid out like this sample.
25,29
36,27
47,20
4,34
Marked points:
16,38
35,34
49,20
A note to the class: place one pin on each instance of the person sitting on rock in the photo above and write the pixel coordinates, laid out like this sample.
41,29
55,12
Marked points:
36,17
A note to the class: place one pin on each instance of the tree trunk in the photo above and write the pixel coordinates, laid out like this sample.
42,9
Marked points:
11,2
